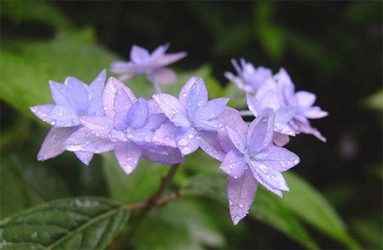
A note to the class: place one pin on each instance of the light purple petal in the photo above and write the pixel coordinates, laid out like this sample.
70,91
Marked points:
166,134
233,164
99,125
305,99
253,104
95,91
128,155
41,111
271,179
137,114
161,154
236,139
232,118
160,50
84,140
59,94
314,112
280,139
109,95
210,145
154,121
139,55
77,94
162,76
212,125
241,193
170,105
180,120
260,133
161,61
84,157
278,158
53,144
120,67
188,141
196,97
212,109
122,105
63,116
186,89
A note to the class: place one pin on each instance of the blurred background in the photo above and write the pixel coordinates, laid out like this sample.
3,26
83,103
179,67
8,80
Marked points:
333,49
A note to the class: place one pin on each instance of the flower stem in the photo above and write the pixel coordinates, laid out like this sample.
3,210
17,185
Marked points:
154,201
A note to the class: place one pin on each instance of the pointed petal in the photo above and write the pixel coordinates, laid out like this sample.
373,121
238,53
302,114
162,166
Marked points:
166,135
314,113
160,50
41,111
161,61
236,139
170,105
211,146
139,55
53,144
233,164
58,92
84,140
162,154
186,88
271,179
128,155
280,139
98,125
232,118
212,109
77,94
110,92
63,116
188,141
305,99
260,133
278,158
84,157
95,91
241,193
121,67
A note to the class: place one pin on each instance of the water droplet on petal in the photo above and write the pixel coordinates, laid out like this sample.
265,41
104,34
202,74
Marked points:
190,136
241,205
34,109
53,123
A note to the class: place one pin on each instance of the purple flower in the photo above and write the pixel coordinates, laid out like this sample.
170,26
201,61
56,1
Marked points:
193,119
71,100
304,101
126,128
251,159
153,65
249,78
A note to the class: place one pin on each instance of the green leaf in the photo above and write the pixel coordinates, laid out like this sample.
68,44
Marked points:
375,101
71,223
27,67
25,183
313,208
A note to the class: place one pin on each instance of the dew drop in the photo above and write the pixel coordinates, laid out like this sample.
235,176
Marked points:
128,158
241,205
105,108
34,109
199,104
190,136
182,142
53,123
230,202
267,176
231,166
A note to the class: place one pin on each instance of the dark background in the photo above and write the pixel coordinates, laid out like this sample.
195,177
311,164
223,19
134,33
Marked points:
333,49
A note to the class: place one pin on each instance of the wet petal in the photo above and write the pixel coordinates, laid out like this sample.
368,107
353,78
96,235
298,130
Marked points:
233,164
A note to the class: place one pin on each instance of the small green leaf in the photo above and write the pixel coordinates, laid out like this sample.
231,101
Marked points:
70,223
312,207
375,101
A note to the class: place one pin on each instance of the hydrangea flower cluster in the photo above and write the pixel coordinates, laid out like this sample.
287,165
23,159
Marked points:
103,117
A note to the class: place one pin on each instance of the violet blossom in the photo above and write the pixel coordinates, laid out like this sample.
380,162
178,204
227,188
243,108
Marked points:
251,159
193,119
71,100
153,65
127,128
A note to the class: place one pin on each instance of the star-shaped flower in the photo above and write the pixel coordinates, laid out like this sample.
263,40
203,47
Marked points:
72,100
193,118
251,159
249,78
126,128
153,65
304,101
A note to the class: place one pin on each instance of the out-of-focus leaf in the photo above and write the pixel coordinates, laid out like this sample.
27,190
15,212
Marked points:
375,101
266,207
182,224
25,183
27,67
271,37
137,186
71,223
43,11
313,208
369,231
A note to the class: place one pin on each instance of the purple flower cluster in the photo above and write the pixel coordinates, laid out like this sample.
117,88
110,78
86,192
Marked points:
103,117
